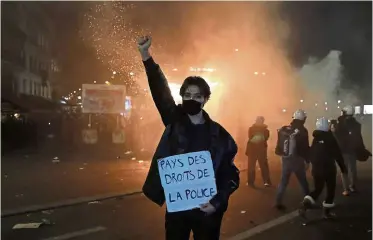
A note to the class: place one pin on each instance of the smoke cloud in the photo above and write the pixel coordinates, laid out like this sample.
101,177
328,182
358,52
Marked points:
246,42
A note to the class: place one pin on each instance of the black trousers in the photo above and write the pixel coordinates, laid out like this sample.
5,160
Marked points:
180,224
260,156
328,179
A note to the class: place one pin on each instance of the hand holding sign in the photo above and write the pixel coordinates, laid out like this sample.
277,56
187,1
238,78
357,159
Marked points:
188,181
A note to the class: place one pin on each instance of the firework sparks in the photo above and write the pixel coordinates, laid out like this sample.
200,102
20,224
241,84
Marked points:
109,28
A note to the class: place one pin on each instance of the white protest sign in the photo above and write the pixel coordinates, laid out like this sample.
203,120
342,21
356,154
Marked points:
188,180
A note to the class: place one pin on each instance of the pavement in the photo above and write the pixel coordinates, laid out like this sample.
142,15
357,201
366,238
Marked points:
39,180
135,217
32,182
354,220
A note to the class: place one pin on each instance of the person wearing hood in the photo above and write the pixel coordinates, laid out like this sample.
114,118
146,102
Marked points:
348,134
256,151
293,147
324,152
189,129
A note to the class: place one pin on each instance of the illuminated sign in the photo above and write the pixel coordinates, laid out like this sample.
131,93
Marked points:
368,109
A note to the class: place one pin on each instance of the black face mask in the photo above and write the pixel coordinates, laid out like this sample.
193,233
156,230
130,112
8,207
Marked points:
191,107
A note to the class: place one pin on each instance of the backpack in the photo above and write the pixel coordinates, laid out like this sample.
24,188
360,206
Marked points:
286,142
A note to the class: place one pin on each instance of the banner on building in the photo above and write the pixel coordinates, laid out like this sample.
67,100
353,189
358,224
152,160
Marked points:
118,136
188,180
102,98
90,136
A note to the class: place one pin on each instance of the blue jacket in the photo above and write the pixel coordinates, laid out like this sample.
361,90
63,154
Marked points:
223,148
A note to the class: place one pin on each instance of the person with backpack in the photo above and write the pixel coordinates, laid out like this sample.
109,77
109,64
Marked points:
324,152
189,129
256,151
293,147
348,134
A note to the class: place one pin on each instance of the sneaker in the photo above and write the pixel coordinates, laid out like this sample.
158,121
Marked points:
307,204
252,185
352,190
280,207
328,214
267,185
345,193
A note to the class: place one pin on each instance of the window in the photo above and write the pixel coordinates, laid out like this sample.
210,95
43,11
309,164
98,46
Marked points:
25,86
37,89
36,65
30,63
31,90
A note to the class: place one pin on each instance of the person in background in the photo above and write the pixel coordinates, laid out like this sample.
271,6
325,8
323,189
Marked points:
189,129
256,151
293,147
324,152
348,134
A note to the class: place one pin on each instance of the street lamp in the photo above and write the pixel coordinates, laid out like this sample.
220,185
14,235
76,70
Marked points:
94,81
301,100
131,73
114,72
256,73
107,82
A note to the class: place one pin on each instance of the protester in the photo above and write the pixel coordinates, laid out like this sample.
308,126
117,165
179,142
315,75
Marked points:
189,129
293,147
256,151
348,134
324,152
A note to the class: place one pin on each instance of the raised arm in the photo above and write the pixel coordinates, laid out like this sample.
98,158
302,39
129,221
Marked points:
158,84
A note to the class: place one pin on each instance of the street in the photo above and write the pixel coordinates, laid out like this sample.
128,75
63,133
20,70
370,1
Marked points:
135,217
39,180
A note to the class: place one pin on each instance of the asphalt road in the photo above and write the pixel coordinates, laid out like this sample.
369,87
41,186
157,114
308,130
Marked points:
354,221
135,217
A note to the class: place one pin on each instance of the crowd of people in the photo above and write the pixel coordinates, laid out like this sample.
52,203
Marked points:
188,129
334,141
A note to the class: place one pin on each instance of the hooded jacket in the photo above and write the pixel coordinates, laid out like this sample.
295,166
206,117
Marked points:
324,152
302,140
257,129
348,134
174,140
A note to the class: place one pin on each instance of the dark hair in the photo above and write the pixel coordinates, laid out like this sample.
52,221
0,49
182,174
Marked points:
197,81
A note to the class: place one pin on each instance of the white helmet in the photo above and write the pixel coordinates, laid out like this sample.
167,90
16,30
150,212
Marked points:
322,124
300,114
349,110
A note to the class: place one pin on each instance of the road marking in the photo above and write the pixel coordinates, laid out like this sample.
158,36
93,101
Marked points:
65,203
263,227
77,233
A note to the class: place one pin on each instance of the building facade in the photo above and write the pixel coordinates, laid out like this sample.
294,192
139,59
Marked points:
28,56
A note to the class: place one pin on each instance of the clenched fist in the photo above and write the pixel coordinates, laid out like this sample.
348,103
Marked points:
143,44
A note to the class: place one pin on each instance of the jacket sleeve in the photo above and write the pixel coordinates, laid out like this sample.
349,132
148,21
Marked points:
360,143
338,155
228,177
266,134
304,148
250,133
161,92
